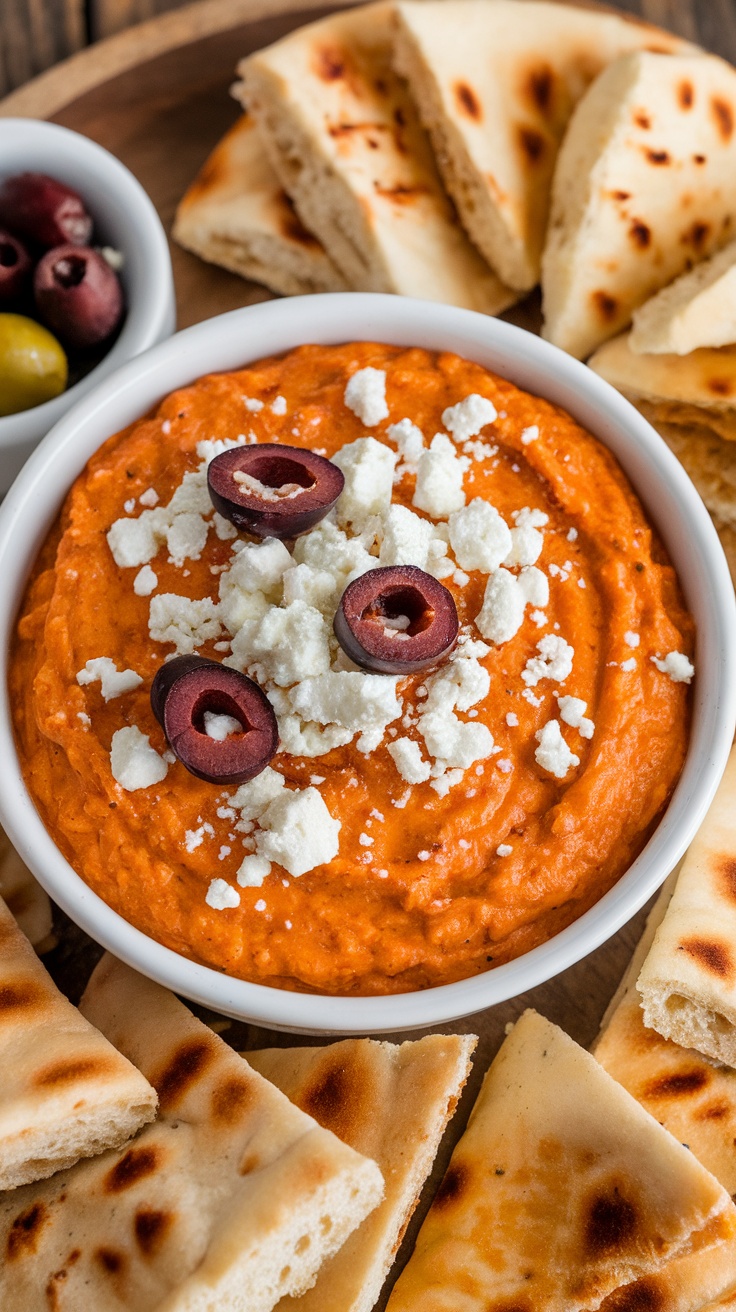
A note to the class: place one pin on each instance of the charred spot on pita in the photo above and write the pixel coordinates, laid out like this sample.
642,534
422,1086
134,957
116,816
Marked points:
333,1097
65,1072
611,1221
715,1111
644,1295
110,1260
185,1067
726,867
685,94
640,234
329,63
291,225
229,1100
133,1166
723,116
699,159
540,87
696,234
719,386
677,1085
642,119
532,144
151,1228
605,304
710,954
25,1231
454,1185
17,997
657,157
467,102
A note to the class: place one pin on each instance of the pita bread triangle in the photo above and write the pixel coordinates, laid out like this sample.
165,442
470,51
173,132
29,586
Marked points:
65,1091
562,1191
495,84
392,1103
343,135
698,309
645,184
23,895
237,214
688,980
232,1198
689,389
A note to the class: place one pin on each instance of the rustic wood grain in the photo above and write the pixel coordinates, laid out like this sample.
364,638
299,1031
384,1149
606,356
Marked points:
35,34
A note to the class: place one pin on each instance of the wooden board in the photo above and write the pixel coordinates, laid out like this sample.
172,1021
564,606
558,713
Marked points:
157,97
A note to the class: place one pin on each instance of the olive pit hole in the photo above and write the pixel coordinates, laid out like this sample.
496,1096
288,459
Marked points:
217,702
279,471
69,271
8,255
401,603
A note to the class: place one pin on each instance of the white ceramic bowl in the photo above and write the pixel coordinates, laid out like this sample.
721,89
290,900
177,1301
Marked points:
125,219
246,335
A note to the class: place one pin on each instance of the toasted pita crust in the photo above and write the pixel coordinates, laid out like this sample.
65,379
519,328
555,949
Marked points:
561,1190
23,895
343,135
232,1199
698,309
645,183
495,86
237,214
65,1092
709,461
688,981
696,388
392,1103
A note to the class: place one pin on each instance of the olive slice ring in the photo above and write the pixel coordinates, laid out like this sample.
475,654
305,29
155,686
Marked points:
184,689
396,620
273,491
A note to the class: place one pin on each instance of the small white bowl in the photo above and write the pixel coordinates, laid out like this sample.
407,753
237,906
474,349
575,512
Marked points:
124,219
670,498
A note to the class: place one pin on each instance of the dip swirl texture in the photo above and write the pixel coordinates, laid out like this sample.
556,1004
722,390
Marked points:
432,881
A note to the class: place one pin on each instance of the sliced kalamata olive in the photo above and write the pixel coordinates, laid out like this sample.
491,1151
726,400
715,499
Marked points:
78,295
185,690
15,268
44,211
273,491
396,620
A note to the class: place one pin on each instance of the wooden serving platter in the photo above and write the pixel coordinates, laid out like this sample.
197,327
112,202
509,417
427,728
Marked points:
157,97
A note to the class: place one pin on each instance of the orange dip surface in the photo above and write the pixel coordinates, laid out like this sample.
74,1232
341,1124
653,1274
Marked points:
417,894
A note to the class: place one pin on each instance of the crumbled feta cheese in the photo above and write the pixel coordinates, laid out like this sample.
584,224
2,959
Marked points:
439,488
252,404
186,537
223,528
406,538
505,600
211,447
529,697
424,855
278,405
84,718
356,701
260,905
316,587
504,849
370,739
468,417
129,505
529,434
512,719
628,665
572,535
149,498
183,621
133,541
220,727
526,540
365,395
301,738
328,548
191,497
676,665
134,762
113,682
368,467
572,711
553,753
365,840
407,757
254,796
145,582
287,643
410,441
220,895
539,618
631,639
444,782
259,567
553,662
457,743
252,871
298,832
193,838
479,536
505,766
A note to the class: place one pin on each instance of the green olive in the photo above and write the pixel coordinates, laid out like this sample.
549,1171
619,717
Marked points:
33,366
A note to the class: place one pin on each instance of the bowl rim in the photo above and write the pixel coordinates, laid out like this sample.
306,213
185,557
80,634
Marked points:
244,336
147,317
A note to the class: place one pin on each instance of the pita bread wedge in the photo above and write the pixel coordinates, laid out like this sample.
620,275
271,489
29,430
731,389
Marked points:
645,184
698,309
699,388
344,137
23,895
496,83
237,214
392,1103
65,1092
561,1191
230,1200
688,980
